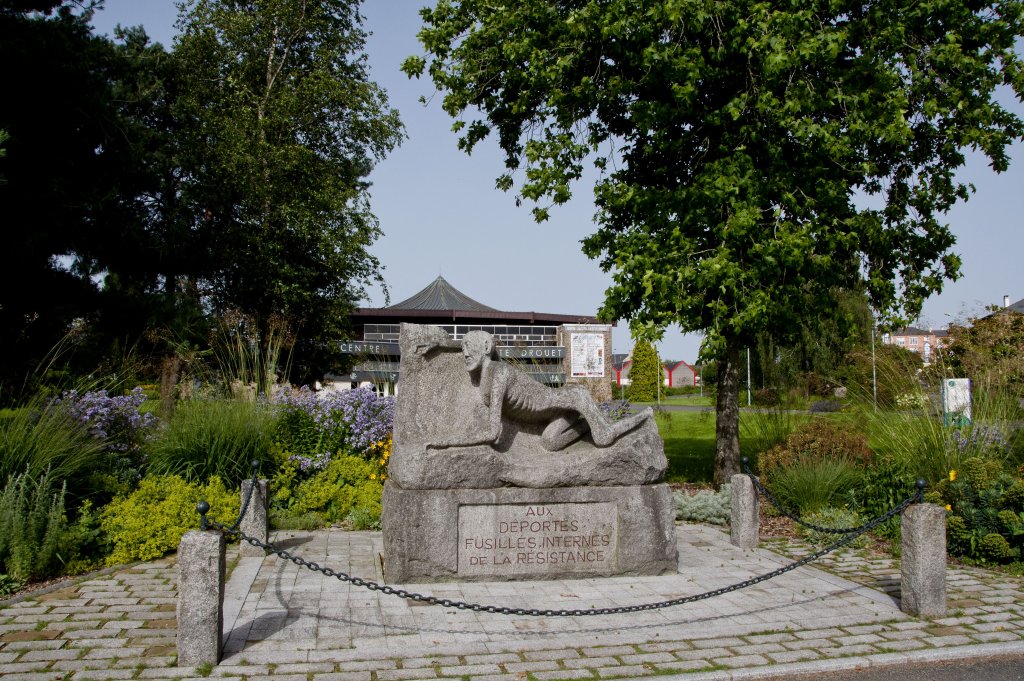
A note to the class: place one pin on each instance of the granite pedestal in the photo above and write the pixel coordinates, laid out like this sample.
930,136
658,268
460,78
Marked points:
515,533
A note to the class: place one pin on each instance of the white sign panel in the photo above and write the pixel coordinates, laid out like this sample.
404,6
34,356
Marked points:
587,355
956,400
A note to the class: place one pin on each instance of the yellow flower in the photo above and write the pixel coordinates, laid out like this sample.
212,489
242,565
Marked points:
952,474
948,507
373,476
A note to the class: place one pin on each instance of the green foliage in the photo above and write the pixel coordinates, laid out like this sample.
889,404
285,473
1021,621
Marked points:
40,437
735,143
644,373
986,513
706,506
280,197
994,548
989,350
807,486
32,523
763,429
345,484
151,521
818,462
894,372
9,585
883,486
819,440
834,518
214,438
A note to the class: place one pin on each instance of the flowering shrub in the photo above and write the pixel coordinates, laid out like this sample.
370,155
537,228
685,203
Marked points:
151,521
979,440
333,451
121,430
912,400
985,511
314,427
115,420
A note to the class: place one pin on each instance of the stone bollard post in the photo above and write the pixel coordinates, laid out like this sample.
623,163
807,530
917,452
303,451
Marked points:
923,561
745,512
254,522
201,571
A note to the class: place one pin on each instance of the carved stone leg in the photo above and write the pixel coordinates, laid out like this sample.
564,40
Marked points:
562,432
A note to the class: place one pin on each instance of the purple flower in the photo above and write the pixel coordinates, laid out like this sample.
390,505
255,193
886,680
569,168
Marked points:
114,419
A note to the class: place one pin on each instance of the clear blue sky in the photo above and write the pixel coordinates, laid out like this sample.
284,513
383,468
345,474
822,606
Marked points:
441,213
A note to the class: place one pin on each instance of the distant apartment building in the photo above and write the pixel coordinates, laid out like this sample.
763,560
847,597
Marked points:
922,341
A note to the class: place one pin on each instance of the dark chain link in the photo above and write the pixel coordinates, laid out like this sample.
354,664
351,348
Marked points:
505,610
245,502
762,490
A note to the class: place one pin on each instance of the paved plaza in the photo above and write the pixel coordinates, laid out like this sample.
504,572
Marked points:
286,622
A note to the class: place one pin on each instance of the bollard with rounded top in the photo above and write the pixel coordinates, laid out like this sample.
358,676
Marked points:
254,522
201,571
745,511
923,559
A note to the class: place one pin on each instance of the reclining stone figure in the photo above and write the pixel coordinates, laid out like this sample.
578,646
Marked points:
511,394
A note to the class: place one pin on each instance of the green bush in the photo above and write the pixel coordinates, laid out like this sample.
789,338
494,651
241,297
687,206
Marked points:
834,518
815,441
32,523
706,506
150,521
644,373
207,438
40,437
343,485
807,486
762,429
883,485
984,501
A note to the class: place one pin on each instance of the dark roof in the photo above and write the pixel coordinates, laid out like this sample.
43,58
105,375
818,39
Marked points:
440,302
1017,307
914,331
440,295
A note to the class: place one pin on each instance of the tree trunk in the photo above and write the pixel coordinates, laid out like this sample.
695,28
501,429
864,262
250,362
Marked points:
727,414
170,374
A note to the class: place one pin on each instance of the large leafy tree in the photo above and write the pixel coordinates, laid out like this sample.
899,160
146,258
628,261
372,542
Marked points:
61,169
989,350
754,155
286,125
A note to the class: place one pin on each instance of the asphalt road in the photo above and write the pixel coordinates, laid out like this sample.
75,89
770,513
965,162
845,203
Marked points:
980,669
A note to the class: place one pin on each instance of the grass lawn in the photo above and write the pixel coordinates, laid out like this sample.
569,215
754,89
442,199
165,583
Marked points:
690,444
682,400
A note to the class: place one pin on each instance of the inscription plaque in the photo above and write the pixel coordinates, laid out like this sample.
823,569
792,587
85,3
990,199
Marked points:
527,539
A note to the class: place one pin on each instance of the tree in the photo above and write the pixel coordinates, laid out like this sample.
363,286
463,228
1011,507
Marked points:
753,156
988,350
60,170
644,372
277,100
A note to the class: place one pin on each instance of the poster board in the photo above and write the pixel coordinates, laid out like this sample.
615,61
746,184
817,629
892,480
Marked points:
587,355
956,401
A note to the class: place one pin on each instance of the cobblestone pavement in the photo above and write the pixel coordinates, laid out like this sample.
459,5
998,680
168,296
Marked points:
285,623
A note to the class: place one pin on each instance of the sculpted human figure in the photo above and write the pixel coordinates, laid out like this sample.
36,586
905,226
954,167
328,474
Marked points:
512,394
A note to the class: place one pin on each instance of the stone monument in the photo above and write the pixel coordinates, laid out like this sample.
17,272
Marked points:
496,476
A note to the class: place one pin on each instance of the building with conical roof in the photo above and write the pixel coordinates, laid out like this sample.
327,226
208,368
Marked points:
554,348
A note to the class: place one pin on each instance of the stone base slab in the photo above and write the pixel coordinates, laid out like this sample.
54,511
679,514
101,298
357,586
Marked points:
514,533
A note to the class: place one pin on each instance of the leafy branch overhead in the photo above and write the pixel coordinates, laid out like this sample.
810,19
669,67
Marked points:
752,154
755,159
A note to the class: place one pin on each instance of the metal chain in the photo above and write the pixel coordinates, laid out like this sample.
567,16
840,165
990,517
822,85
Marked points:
762,490
245,502
505,610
